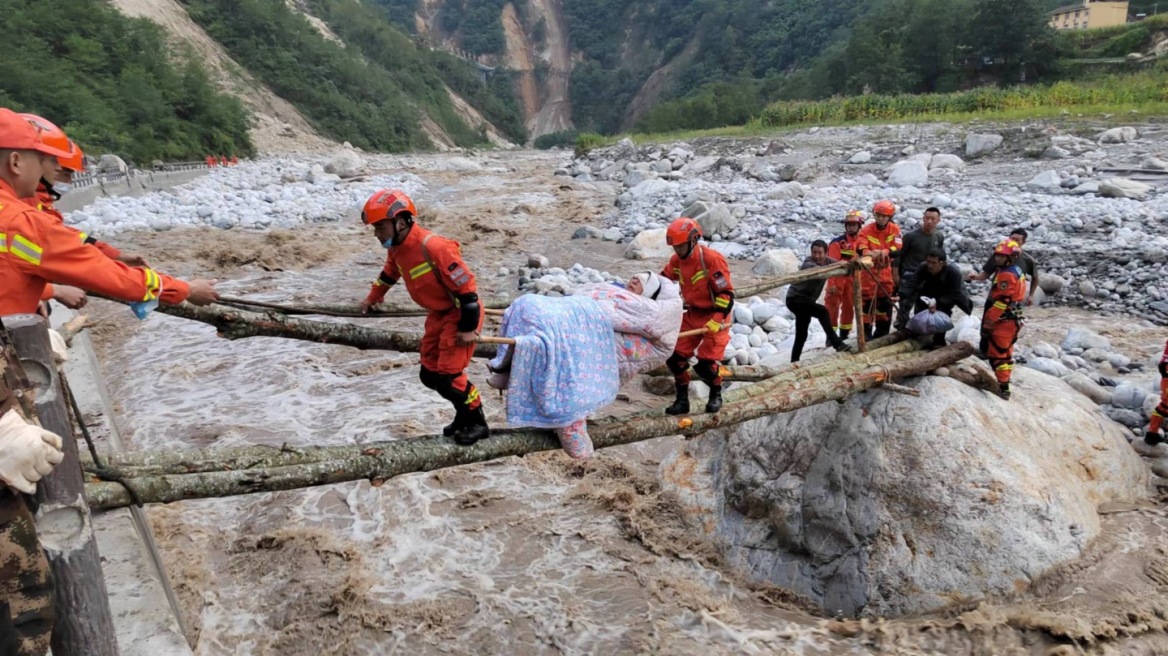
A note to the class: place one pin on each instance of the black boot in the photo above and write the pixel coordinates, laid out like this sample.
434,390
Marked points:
473,429
882,328
449,429
844,332
681,404
841,346
714,403
1153,438
1005,391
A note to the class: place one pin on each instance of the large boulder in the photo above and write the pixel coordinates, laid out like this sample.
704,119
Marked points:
111,164
1081,338
945,161
1123,188
908,173
778,262
649,245
346,164
654,187
890,504
1118,135
714,218
977,145
1047,181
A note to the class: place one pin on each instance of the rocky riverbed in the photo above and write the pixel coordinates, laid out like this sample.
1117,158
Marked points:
600,557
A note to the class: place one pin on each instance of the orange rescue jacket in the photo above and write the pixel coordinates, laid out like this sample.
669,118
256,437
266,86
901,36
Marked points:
36,249
432,267
1007,291
705,281
872,239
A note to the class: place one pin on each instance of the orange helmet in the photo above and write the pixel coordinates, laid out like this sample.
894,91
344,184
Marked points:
55,137
1008,248
682,231
885,208
854,216
387,204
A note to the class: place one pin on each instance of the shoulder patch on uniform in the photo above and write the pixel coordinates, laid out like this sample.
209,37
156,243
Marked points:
452,267
1003,285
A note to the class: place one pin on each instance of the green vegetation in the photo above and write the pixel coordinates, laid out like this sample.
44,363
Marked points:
556,140
111,84
479,21
495,100
1130,90
586,141
372,93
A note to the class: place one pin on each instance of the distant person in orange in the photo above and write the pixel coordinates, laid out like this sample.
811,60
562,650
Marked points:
880,238
439,280
234,160
222,161
1003,320
37,249
1153,436
211,161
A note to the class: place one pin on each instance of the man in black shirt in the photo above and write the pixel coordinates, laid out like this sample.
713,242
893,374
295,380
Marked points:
1024,262
803,302
917,245
940,281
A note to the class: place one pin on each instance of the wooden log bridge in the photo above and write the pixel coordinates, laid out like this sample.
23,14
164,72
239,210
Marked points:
158,478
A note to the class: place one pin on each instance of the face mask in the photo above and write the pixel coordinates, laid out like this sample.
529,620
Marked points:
388,243
62,188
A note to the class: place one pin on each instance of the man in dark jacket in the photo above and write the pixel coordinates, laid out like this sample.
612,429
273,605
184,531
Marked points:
803,302
940,281
917,245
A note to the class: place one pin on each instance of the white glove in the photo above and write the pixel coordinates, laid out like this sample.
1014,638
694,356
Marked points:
27,452
60,348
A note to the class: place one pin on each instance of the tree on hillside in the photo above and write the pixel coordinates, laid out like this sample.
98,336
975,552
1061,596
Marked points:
934,33
1007,32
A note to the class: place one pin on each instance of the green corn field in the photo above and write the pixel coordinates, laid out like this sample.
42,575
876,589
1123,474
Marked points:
1144,88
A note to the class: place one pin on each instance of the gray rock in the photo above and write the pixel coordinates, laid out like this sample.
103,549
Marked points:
205,211
587,232
636,177
1118,135
537,261
1128,396
978,145
1086,188
649,245
777,324
663,166
1054,152
1123,188
1047,181
650,188
1044,350
1119,360
820,501
1124,416
779,262
612,234
346,164
908,173
1081,338
743,315
111,164
1087,289
862,157
1088,388
944,161
787,191
714,218
1154,163
1051,283
1048,366
700,165
763,312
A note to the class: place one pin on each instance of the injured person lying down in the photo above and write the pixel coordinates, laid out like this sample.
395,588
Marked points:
572,354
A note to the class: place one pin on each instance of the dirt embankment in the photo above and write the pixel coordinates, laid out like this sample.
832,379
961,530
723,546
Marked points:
278,127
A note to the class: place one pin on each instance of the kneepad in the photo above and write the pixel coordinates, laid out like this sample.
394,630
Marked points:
677,364
706,369
432,379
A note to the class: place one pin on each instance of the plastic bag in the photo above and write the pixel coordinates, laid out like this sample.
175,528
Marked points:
930,323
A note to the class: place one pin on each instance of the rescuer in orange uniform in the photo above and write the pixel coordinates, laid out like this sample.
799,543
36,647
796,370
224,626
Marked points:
1003,320
708,294
881,238
840,298
1154,436
439,280
36,249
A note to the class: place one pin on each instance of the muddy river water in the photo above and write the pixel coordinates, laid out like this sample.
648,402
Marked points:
538,555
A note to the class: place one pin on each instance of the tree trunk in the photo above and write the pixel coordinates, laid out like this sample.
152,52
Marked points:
430,453
238,324
350,310
803,275
84,624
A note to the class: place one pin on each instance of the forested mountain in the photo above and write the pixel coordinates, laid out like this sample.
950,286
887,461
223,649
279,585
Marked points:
406,74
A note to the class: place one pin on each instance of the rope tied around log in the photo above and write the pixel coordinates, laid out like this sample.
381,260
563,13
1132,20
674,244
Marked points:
99,469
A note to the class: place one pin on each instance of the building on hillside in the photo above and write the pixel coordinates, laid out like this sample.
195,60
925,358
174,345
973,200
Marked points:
1089,14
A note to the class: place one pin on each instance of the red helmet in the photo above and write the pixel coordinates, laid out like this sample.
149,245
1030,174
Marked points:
854,216
885,208
682,231
387,204
1008,248
55,137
